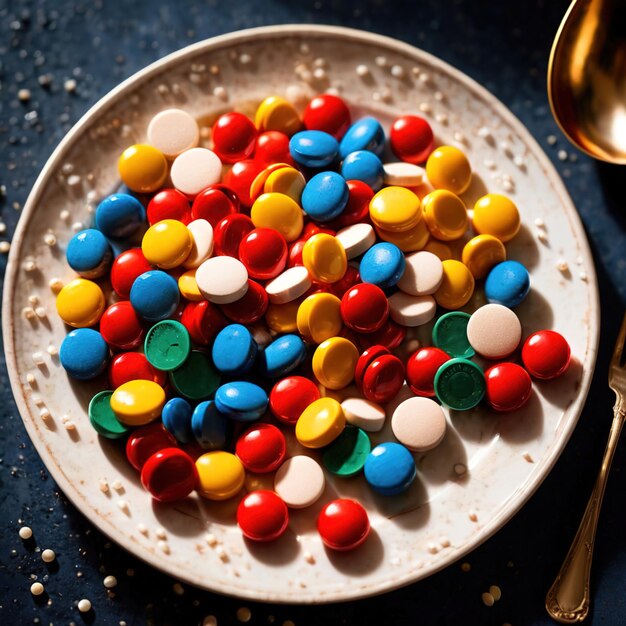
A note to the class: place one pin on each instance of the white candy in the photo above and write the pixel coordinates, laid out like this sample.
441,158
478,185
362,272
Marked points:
195,169
409,310
423,274
494,331
364,414
202,234
289,285
419,424
222,279
356,239
299,481
403,174
173,131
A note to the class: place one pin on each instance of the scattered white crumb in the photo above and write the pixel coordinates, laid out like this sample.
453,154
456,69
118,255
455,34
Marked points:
117,485
211,539
362,70
381,61
36,589
123,506
33,299
69,85
164,546
542,236
142,528
487,599
29,313
209,620
397,71
319,73
5,246
424,77
160,533
460,469
23,95
445,542
520,161
309,558
432,548
48,555
459,136
31,380
551,139
44,414
84,605
245,58
77,227
52,350
41,312
103,484
38,400
496,592
320,62
425,107
220,92
528,458
109,582
484,132
55,284
473,516
25,532
221,553
69,425
583,276
50,239
29,265
562,266
442,118
539,223
562,155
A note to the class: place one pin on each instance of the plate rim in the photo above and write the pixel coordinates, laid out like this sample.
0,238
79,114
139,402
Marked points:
516,501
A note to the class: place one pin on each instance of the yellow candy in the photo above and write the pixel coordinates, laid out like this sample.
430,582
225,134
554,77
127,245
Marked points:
280,212
496,215
319,317
167,244
445,215
80,303
395,209
143,168
138,402
287,180
448,168
334,361
282,317
220,475
408,241
457,286
438,248
481,253
320,423
256,188
188,286
274,113
325,258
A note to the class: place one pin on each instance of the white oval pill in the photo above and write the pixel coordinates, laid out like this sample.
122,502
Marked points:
299,481
173,131
289,285
202,234
222,279
423,274
494,331
419,424
363,413
356,239
194,170
403,174
409,310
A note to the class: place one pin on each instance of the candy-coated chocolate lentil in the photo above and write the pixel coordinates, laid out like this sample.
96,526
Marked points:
80,303
445,215
497,215
390,335
287,180
173,131
196,378
168,204
120,215
261,448
319,317
343,524
138,402
448,168
194,170
264,253
290,396
234,350
508,386
203,321
242,401
328,113
339,288
282,356
313,148
395,209
154,295
450,334
169,475
145,441
320,423
324,258
410,240
299,481
188,286
546,354
126,268
283,318
364,166
364,308
209,427
280,212
221,475
364,414
365,134
214,203
240,177
262,516
176,416
127,366
325,196
250,308
120,326
383,265
346,455
363,362
357,208
229,233
103,419
456,287
258,184
507,283
275,113
89,253
222,279
421,369
482,253
460,384
390,469
167,244
84,353
494,331
334,361
313,229
411,138
142,168
272,146
167,345
383,379
234,137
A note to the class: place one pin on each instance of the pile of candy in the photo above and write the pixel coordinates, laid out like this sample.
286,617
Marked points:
276,281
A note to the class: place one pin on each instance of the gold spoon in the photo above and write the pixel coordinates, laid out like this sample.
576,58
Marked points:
587,78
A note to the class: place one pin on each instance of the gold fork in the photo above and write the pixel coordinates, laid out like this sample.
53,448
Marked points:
568,599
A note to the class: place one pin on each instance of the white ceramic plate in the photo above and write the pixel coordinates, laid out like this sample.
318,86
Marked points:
444,515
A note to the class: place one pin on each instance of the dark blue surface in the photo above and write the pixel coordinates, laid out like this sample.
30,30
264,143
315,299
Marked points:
504,46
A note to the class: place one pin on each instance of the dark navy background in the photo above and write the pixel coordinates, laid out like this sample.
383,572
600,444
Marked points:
503,45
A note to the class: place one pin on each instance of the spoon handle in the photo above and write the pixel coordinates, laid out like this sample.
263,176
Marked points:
568,599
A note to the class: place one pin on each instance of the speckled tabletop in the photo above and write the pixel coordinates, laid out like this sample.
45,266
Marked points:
68,54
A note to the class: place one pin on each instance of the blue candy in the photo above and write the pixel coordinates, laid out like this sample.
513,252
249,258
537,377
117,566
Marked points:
282,355
176,416
364,166
389,469
84,353
234,350
383,265
89,253
507,283
325,196
313,148
209,426
241,401
120,215
364,134
154,295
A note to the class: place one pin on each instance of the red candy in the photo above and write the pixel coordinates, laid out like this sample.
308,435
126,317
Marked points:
214,203
234,137
546,354
229,233
411,138
127,366
126,268
145,441
261,448
364,308
383,379
264,253
421,369
290,396
295,253
169,474
508,386
343,524
240,178
203,320
272,146
169,204
329,114
250,308
364,361
390,335
262,516
315,229
121,327
358,207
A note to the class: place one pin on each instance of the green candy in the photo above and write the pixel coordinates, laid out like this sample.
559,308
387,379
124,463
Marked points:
460,384
450,334
197,378
102,417
346,455
167,345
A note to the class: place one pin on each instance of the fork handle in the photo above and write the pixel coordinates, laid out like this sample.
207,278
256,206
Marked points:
568,600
